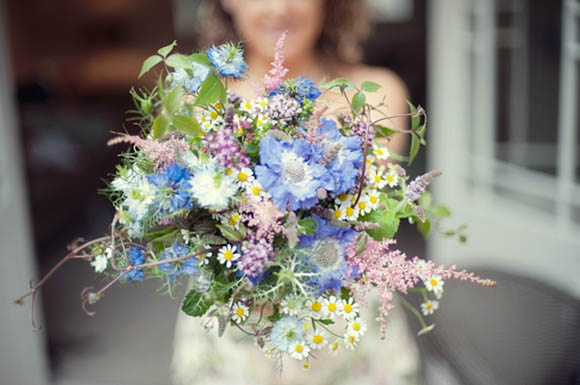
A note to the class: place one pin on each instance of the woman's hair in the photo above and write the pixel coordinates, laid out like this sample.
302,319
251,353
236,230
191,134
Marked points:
346,26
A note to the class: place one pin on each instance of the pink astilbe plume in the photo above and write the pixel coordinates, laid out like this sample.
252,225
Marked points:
275,77
264,219
390,270
161,152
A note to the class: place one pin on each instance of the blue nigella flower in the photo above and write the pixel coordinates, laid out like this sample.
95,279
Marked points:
289,173
228,60
345,164
173,269
324,253
191,80
173,185
136,258
300,88
286,331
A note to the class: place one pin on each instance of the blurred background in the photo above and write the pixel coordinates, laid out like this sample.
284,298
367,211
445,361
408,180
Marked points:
499,80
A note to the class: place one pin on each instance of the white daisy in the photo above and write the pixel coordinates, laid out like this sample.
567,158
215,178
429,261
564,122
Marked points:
348,309
317,340
228,254
392,179
299,350
429,307
256,191
334,347
426,330
261,120
260,104
381,152
373,198
316,308
245,177
340,199
291,305
204,257
330,306
357,327
376,178
100,263
233,220
350,341
363,205
349,213
247,106
435,284
241,312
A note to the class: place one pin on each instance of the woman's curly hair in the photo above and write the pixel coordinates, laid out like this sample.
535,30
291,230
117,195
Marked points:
346,26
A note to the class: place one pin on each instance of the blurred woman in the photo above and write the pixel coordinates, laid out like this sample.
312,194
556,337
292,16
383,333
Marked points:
323,42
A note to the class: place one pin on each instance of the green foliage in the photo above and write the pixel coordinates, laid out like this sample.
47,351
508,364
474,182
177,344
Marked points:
369,86
358,102
160,126
196,304
229,233
340,83
211,91
383,132
276,315
361,243
307,226
187,125
149,63
386,219
178,60
172,100
164,51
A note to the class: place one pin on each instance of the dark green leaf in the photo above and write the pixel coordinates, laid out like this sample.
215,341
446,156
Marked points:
200,58
386,219
383,132
229,233
358,101
370,86
159,127
424,227
307,226
196,304
187,125
164,51
149,63
276,316
344,293
253,149
177,60
415,119
173,100
149,237
440,211
326,321
414,148
211,91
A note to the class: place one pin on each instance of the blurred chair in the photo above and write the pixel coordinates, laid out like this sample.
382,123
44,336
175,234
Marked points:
522,332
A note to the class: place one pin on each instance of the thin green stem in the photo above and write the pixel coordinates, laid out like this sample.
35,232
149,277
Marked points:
325,328
412,309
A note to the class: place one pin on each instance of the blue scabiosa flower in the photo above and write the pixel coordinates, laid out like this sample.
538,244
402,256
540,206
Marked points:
324,253
300,88
228,60
289,173
192,79
342,155
286,331
173,269
212,187
136,258
172,189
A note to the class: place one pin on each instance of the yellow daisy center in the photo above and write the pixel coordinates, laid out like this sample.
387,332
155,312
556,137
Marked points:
231,222
332,307
317,339
362,205
316,306
299,348
228,255
434,282
390,178
373,199
256,190
342,197
248,106
351,339
240,131
356,326
229,171
214,115
349,211
337,213
242,177
335,346
377,178
379,151
429,306
240,312
218,106
347,308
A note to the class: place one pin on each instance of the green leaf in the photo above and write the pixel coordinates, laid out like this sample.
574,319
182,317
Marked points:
307,226
229,233
358,101
253,149
196,304
173,99
463,238
149,63
370,86
326,321
414,148
177,60
386,219
421,131
345,293
187,125
398,157
211,91
383,132
149,237
164,51
160,126
424,227
200,58
415,119
440,211
361,243
339,82
425,200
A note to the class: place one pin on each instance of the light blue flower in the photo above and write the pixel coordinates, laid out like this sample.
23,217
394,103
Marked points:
228,60
289,173
286,331
300,88
136,258
346,163
172,193
190,79
173,269
324,253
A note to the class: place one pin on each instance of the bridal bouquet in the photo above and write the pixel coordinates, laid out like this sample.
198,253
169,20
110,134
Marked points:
282,216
